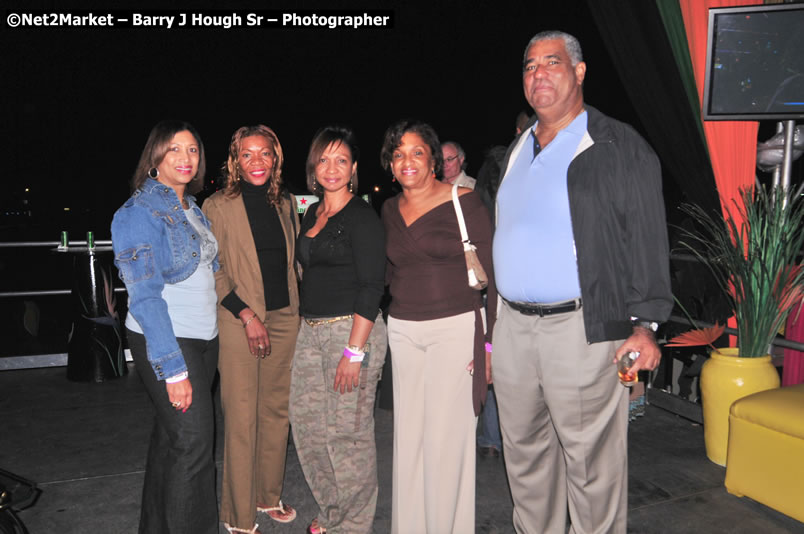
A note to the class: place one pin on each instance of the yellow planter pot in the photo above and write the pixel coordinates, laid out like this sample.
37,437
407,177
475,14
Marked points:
726,377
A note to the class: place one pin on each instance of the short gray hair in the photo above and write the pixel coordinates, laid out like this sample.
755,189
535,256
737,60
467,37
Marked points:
458,148
570,43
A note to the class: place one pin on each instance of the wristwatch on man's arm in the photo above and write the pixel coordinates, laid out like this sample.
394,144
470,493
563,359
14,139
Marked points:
645,323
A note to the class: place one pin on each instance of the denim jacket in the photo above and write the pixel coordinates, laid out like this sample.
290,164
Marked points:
154,244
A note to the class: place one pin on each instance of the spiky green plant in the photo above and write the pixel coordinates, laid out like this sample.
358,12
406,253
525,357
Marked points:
756,261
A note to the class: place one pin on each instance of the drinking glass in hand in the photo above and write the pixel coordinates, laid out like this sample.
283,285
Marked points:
624,364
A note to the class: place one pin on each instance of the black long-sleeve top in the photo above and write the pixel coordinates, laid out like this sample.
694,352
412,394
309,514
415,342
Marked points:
344,264
269,240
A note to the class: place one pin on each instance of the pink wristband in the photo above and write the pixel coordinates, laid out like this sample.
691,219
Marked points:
354,356
488,346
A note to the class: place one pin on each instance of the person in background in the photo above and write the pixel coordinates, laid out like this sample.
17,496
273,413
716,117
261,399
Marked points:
167,256
582,263
455,164
488,176
254,219
342,342
489,441
436,333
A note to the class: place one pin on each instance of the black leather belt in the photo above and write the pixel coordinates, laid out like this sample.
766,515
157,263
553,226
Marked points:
532,308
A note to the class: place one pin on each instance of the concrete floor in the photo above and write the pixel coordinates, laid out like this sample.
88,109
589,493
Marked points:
85,446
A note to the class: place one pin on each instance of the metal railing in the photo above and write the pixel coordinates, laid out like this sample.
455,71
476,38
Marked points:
31,244
57,359
780,342
55,245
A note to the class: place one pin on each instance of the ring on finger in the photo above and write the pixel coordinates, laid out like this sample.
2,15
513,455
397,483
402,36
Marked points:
176,404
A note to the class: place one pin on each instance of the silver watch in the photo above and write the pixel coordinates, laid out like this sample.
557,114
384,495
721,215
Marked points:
653,326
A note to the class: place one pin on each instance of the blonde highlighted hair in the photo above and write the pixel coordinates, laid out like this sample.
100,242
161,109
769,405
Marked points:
231,169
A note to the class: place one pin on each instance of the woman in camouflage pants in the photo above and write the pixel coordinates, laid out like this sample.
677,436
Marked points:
341,345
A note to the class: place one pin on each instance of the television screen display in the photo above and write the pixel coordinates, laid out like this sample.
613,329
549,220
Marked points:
755,63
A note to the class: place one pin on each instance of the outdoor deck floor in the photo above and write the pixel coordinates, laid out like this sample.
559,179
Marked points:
85,443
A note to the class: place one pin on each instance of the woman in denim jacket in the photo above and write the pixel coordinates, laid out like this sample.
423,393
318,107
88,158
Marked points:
167,257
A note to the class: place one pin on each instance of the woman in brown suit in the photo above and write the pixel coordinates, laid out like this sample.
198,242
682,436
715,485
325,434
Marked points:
254,220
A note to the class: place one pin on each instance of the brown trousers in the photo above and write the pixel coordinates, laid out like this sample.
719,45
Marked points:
254,395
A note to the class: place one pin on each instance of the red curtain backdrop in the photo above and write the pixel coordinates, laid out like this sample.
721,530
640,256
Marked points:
732,144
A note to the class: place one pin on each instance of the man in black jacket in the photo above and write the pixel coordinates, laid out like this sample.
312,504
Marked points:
581,262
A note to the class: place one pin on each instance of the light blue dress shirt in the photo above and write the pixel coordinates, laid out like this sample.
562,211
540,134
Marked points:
534,246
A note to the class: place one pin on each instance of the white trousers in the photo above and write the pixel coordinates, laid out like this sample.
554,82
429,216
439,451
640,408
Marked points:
434,426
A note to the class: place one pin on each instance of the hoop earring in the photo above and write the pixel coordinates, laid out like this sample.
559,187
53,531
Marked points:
153,172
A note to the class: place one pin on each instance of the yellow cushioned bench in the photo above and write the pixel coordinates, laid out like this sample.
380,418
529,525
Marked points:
766,449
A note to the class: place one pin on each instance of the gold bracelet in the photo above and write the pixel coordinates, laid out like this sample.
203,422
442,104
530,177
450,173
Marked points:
355,349
249,320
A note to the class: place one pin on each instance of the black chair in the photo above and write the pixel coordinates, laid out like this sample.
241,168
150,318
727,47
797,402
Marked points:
16,493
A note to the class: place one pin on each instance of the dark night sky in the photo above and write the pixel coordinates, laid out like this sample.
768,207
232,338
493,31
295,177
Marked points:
78,103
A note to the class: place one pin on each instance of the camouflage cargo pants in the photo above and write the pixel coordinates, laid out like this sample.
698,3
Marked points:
334,432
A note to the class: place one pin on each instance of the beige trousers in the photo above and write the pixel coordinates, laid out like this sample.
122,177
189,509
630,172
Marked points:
434,426
254,396
564,419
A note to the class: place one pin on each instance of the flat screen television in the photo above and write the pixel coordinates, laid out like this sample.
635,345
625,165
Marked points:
755,63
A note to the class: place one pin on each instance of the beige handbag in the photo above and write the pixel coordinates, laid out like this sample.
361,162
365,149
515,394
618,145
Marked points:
478,279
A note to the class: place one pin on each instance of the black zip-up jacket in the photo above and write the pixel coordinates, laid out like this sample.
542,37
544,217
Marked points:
618,221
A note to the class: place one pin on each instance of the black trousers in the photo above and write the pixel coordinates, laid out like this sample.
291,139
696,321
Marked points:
178,495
